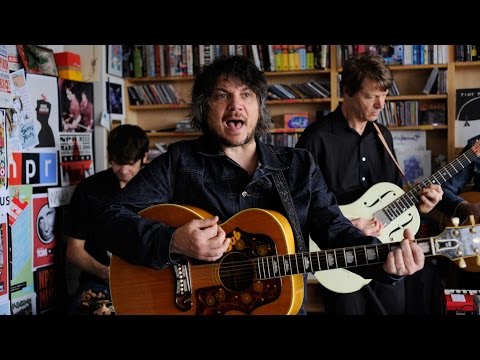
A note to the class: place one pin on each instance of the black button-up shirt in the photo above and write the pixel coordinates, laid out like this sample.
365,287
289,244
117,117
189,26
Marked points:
350,163
198,173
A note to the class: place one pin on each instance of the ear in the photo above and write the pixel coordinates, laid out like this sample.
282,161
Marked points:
145,157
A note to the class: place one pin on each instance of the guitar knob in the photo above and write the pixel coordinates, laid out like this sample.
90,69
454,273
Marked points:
455,221
472,220
462,264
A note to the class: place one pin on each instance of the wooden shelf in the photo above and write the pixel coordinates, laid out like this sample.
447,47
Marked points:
419,127
298,101
410,79
158,107
296,72
155,134
466,63
159,79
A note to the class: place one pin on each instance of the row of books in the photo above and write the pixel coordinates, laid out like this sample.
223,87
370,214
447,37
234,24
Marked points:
282,139
397,54
436,82
309,90
467,52
153,94
413,113
184,60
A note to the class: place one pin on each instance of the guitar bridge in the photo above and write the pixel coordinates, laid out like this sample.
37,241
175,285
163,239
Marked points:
183,288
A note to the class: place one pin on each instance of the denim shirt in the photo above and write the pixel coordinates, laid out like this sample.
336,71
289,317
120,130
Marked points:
457,183
197,173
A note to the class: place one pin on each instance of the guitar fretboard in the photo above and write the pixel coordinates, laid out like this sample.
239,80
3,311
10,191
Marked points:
412,197
300,263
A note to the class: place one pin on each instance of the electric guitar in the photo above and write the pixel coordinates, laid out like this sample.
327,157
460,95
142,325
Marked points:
395,208
259,274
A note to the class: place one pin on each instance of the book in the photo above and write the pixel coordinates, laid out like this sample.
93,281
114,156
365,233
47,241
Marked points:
430,82
432,113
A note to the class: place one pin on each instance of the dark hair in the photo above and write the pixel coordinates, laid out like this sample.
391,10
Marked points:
127,143
240,68
365,66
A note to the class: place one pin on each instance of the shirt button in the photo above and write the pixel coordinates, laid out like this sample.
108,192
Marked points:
364,158
244,194
363,178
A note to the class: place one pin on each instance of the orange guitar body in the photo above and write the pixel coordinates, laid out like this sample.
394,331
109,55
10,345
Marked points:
227,286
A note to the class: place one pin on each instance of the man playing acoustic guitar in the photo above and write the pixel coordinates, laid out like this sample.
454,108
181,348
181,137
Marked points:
225,172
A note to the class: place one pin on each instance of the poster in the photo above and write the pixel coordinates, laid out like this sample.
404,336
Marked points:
20,125
45,289
4,276
467,121
76,157
43,229
76,104
20,221
43,94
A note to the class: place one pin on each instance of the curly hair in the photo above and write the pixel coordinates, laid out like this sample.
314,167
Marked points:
240,68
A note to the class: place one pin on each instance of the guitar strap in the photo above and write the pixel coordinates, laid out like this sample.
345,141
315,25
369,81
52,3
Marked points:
284,193
382,139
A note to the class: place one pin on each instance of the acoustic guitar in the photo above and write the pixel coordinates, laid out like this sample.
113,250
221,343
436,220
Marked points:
259,274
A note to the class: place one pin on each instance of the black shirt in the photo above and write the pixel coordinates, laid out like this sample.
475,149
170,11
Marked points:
350,163
87,202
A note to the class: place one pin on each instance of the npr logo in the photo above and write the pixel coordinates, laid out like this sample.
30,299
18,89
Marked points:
36,169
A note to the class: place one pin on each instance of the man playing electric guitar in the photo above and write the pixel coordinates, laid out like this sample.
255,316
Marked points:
352,159
225,171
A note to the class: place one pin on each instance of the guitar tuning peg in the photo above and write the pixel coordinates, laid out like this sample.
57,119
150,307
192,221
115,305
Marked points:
455,221
472,220
461,263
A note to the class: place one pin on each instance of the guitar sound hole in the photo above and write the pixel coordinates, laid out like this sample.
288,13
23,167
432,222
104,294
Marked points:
236,272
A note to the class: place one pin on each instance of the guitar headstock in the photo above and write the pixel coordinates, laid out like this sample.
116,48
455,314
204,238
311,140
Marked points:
458,243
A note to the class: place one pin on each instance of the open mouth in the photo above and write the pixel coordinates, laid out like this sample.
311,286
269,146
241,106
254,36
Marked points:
234,124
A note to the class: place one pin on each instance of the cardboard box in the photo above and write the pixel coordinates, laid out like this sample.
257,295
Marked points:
70,75
68,61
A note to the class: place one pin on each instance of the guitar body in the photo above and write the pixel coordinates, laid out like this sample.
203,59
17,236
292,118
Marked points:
227,286
340,281
373,201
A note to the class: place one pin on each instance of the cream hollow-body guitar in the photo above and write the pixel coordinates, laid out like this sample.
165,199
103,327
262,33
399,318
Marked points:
260,274
396,210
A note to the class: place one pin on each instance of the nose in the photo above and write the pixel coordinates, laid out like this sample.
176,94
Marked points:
380,102
235,102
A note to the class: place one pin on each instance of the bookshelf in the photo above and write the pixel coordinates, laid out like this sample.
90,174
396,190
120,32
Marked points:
160,120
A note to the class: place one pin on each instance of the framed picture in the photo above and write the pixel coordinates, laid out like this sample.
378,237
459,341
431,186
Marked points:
114,60
114,93
37,60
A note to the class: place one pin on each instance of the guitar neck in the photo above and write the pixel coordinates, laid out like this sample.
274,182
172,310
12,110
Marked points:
412,197
301,263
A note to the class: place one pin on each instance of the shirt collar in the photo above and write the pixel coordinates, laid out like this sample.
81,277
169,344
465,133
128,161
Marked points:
340,123
266,155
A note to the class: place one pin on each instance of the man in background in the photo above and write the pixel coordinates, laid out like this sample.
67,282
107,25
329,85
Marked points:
352,158
127,151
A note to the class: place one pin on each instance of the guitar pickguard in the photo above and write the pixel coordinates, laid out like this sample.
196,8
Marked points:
240,289
372,204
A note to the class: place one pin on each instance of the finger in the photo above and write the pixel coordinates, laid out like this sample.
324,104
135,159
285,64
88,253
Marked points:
389,265
204,223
